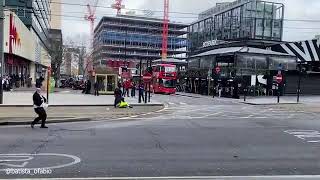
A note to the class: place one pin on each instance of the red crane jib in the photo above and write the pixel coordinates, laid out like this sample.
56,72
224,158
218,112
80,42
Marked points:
165,30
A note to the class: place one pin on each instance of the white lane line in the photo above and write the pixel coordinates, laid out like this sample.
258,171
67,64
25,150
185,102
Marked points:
75,159
190,177
171,103
313,141
182,103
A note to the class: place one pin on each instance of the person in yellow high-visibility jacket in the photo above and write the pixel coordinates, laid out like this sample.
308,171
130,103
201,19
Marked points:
123,104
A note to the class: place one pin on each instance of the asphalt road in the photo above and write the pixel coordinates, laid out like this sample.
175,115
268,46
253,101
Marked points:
191,137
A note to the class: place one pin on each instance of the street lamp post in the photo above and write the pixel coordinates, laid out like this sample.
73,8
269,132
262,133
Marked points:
149,98
140,69
299,82
1,50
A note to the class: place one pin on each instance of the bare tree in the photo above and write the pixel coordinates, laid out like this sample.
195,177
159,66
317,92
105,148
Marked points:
77,45
56,52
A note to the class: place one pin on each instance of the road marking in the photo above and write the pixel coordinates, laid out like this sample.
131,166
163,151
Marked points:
182,103
192,177
311,136
171,103
6,158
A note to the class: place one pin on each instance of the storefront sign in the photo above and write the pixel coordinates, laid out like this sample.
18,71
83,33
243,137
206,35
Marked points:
18,39
213,43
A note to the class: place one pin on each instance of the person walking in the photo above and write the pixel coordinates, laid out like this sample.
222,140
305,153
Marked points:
22,78
141,91
39,104
128,87
133,89
96,88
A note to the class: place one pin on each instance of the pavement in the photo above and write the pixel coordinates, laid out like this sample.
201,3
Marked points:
65,98
69,106
191,138
62,114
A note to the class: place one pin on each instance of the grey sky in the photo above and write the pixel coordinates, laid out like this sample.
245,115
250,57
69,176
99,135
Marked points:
294,9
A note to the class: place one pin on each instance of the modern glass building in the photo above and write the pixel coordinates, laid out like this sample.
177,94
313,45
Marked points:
235,38
237,21
125,40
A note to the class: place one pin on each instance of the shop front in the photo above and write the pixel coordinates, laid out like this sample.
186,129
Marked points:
107,83
229,71
24,56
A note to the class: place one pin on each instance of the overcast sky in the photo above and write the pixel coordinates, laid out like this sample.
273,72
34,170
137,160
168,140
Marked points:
294,9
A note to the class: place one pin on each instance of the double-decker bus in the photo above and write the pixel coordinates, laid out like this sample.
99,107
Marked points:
164,78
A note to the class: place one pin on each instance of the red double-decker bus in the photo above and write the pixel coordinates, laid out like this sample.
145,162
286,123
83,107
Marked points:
164,78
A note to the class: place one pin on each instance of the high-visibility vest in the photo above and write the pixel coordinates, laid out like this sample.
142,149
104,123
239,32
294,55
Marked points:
123,104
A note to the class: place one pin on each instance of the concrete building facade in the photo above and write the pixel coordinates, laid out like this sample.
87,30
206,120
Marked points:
56,11
27,44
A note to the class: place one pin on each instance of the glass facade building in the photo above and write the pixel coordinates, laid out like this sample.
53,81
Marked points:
125,40
238,20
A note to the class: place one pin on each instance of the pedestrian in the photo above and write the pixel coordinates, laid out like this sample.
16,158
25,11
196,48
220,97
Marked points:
128,87
29,81
141,91
117,96
39,104
88,89
124,86
220,91
133,89
22,80
3,83
96,88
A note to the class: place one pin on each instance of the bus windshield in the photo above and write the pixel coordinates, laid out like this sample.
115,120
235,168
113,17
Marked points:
170,69
169,83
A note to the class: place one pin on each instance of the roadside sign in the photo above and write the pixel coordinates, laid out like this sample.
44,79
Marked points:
279,78
147,77
218,69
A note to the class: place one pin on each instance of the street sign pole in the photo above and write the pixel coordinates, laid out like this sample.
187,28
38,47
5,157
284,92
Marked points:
140,81
149,98
48,83
278,94
299,83
1,49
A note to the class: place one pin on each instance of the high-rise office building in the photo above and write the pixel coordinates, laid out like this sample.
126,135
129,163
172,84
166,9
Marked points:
125,40
56,11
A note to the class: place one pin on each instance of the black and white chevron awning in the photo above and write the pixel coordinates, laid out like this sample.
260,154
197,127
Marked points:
304,50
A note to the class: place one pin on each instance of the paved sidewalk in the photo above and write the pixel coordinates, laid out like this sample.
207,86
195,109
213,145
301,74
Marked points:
270,100
67,98
24,115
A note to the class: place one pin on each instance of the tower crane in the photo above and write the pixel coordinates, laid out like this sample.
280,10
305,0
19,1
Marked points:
165,30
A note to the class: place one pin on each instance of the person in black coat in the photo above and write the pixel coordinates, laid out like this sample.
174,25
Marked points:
88,88
96,89
39,107
117,96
